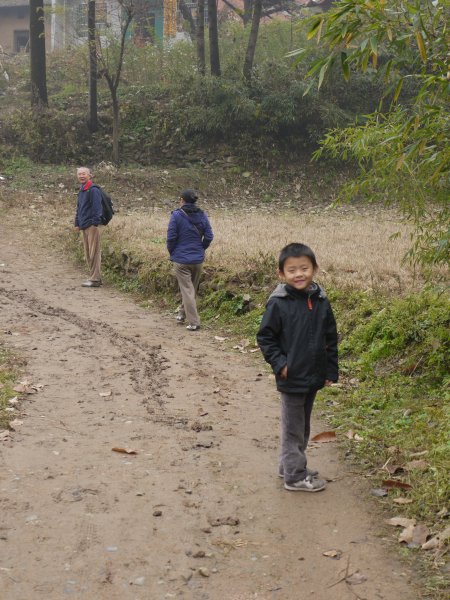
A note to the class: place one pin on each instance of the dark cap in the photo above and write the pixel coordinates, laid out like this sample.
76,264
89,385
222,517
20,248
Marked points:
189,196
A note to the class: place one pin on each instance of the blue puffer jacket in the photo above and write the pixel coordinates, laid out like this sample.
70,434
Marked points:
89,206
188,235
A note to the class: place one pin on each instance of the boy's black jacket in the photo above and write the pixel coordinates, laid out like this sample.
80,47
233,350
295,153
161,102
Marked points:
298,329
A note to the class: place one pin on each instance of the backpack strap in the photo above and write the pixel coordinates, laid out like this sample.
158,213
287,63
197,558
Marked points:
192,223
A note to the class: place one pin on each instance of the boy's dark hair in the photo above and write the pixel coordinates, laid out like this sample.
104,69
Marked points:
296,250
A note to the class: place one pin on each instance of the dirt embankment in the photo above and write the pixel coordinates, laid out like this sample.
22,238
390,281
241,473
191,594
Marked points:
198,512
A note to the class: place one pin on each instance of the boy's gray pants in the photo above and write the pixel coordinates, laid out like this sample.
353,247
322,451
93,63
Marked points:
295,430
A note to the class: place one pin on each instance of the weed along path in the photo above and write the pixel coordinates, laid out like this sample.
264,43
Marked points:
144,466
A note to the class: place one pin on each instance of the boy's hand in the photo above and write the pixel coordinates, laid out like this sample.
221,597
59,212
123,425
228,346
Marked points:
283,372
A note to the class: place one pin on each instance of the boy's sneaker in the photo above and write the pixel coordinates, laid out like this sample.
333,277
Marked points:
309,472
309,484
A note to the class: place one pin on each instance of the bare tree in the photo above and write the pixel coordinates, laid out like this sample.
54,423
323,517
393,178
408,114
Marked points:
252,40
214,56
39,97
93,106
271,7
201,36
111,55
186,13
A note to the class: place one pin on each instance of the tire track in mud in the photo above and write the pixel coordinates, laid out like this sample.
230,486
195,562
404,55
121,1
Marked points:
146,365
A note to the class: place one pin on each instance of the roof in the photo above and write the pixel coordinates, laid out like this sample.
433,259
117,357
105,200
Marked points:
13,3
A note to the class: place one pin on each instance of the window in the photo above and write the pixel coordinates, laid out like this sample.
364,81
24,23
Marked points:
21,41
81,15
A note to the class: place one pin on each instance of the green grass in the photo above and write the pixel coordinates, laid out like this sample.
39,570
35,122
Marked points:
395,365
9,367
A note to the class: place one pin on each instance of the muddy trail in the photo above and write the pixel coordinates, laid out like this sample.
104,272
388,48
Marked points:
197,512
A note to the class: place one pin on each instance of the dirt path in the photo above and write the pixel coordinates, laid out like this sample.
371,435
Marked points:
201,495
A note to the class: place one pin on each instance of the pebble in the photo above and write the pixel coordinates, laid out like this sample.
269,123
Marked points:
199,554
204,572
139,581
157,513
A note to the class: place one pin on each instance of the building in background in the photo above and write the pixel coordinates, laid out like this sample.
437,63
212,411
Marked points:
14,26
66,22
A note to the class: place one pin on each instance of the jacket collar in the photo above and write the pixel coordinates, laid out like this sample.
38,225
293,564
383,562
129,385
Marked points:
282,291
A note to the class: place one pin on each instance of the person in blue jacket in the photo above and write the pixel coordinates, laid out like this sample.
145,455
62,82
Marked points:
298,338
188,236
88,220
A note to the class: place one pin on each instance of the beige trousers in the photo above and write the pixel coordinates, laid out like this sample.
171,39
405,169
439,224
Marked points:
188,277
93,250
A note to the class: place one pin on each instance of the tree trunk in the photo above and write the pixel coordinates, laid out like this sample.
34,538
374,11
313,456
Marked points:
116,127
213,38
248,8
93,106
253,38
38,71
201,36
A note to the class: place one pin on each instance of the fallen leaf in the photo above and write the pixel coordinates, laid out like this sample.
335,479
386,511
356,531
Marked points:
401,522
420,465
350,434
438,540
14,400
325,436
402,500
393,469
336,554
358,438
420,534
24,389
407,534
124,450
105,394
220,339
394,483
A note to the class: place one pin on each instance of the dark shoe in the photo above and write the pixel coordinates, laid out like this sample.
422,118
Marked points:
180,319
193,327
309,484
90,283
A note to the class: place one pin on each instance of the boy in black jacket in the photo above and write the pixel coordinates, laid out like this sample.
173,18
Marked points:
298,338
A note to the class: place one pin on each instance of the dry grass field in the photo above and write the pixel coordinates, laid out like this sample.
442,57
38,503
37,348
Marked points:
361,250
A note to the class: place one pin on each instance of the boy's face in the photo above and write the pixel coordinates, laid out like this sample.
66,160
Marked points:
298,272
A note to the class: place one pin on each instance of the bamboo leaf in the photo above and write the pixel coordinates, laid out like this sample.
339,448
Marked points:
323,70
312,32
398,89
345,67
421,45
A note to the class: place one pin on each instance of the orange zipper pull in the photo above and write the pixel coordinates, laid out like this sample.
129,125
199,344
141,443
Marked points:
309,303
